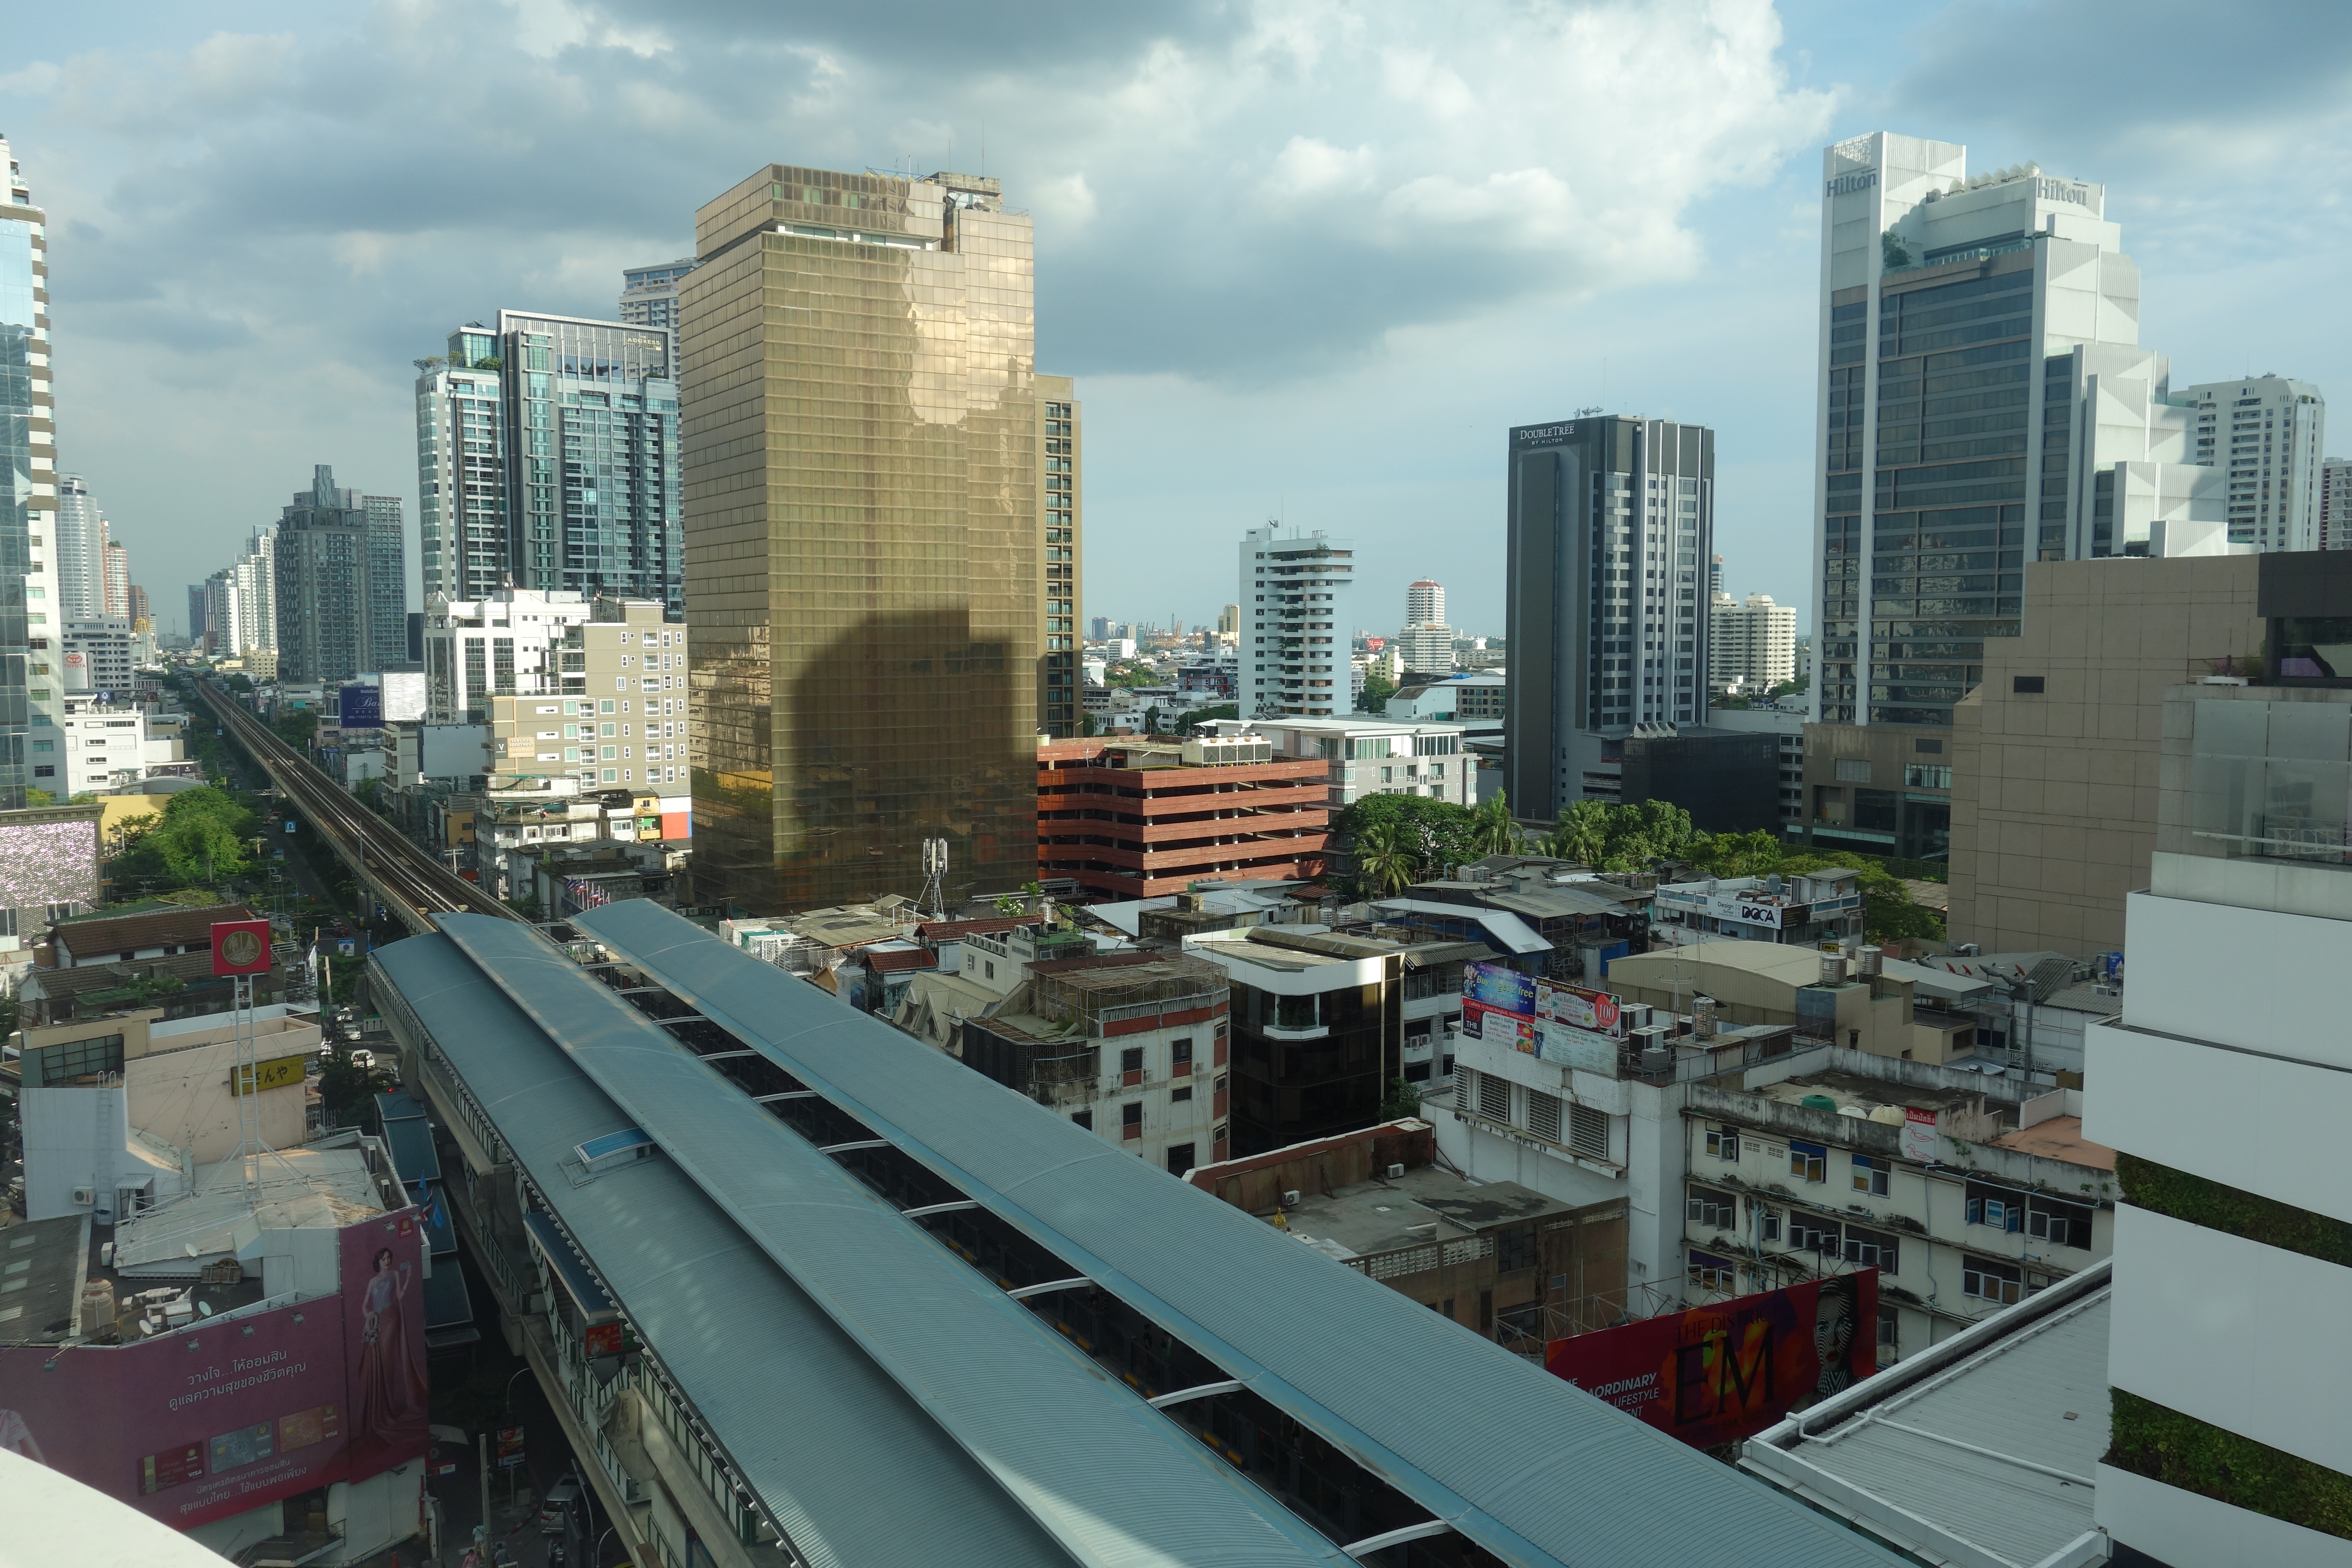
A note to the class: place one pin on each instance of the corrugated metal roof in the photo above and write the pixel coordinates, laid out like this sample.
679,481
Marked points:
1514,933
1993,1445
1533,1469
820,1434
1057,1432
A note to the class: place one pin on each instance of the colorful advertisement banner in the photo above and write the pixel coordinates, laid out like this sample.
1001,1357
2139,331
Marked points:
206,1422
1575,1047
1596,1011
1717,1373
1480,1022
1504,990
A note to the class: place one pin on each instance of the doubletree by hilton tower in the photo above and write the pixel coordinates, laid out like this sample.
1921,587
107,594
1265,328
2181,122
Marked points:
881,535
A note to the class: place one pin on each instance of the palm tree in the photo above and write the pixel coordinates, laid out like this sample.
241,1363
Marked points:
1583,834
1492,831
1385,864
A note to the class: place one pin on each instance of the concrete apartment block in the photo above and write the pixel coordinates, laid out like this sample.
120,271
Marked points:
2054,763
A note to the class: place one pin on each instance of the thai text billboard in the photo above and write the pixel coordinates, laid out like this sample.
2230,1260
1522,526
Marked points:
1720,1373
231,1412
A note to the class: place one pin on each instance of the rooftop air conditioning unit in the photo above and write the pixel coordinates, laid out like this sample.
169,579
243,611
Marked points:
1290,1199
1396,1172
84,1195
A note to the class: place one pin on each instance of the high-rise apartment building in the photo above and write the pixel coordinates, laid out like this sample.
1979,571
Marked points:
1426,650
325,599
1229,622
79,557
1297,601
1425,603
547,460
387,583
649,294
30,621
1609,520
1060,459
117,581
2336,503
1983,400
868,502
2267,433
506,644
1752,644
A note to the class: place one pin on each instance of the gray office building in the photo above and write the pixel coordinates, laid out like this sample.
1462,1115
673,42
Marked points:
27,452
325,592
1611,520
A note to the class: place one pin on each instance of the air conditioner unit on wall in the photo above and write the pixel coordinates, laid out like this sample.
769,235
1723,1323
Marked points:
84,1195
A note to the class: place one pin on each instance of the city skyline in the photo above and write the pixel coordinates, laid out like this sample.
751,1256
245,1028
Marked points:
1346,421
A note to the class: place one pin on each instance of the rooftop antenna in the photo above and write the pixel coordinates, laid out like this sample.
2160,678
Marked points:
934,874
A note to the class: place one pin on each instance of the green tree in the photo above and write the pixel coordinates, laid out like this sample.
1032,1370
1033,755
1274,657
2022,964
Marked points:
1401,1100
1151,720
1738,854
1492,831
1086,725
39,798
1583,834
1889,913
1386,861
1434,833
1377,690
203,838
1184,723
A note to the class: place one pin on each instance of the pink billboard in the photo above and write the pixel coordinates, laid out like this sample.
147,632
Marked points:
228,1415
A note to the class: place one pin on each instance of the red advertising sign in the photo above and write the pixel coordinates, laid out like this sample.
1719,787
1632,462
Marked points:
1480,1022
225,1415
1720,1373
240,947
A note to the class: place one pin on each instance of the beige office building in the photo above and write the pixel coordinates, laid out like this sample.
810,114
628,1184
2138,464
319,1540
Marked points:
873,513
2053,779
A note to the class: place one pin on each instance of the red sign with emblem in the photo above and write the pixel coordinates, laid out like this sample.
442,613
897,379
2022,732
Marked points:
240,947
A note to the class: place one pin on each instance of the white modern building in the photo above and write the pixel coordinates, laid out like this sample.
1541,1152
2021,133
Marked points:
504,644
99,656
2220,1100
1296,602
2336,503
1426,648
1372,756
1752,644
1425,603
81,551
2267,434
649,294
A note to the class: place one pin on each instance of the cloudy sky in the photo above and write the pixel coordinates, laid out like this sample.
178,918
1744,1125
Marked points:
1309,259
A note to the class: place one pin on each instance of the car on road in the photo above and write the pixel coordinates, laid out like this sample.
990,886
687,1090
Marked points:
556,1508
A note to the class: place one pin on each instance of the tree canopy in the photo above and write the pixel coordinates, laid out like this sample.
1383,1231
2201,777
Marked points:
201,837
1377,690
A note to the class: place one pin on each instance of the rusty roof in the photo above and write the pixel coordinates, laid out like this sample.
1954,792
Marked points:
90,939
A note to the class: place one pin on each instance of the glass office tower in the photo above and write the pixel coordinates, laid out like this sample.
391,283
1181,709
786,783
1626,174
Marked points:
863,526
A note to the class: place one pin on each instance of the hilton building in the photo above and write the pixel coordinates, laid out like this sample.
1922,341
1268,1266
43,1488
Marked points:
1611,518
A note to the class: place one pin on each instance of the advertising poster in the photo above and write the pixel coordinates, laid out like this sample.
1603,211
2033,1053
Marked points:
1717,1373
1483,1023
1596,1011
1918,1134
240,947
1574,1047
360,706
1502,990
205,1423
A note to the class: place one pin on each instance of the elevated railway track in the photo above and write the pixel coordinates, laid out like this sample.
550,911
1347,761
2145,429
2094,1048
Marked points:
411,885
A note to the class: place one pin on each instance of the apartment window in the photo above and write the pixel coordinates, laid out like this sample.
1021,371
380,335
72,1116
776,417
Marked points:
1085,1119
1130,1065
1807,1234
1852,770
1711,1273
1178,1096
1131,1120
1995,1206
1807,1161
991,969
1871,1248
1588,1132
1179,1057
2029,683
1713,1209
1990,1281
1543,1115
1723,1142
2058,1222
1494,1096
1179,1158
1870,1176
1769,1223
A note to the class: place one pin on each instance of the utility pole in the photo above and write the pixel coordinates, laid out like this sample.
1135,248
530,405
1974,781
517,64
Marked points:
482,1441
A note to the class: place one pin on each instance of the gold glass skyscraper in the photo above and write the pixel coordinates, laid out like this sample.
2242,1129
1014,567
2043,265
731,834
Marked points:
866,526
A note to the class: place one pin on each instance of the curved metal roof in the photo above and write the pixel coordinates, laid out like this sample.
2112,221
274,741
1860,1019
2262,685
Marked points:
1531,1468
